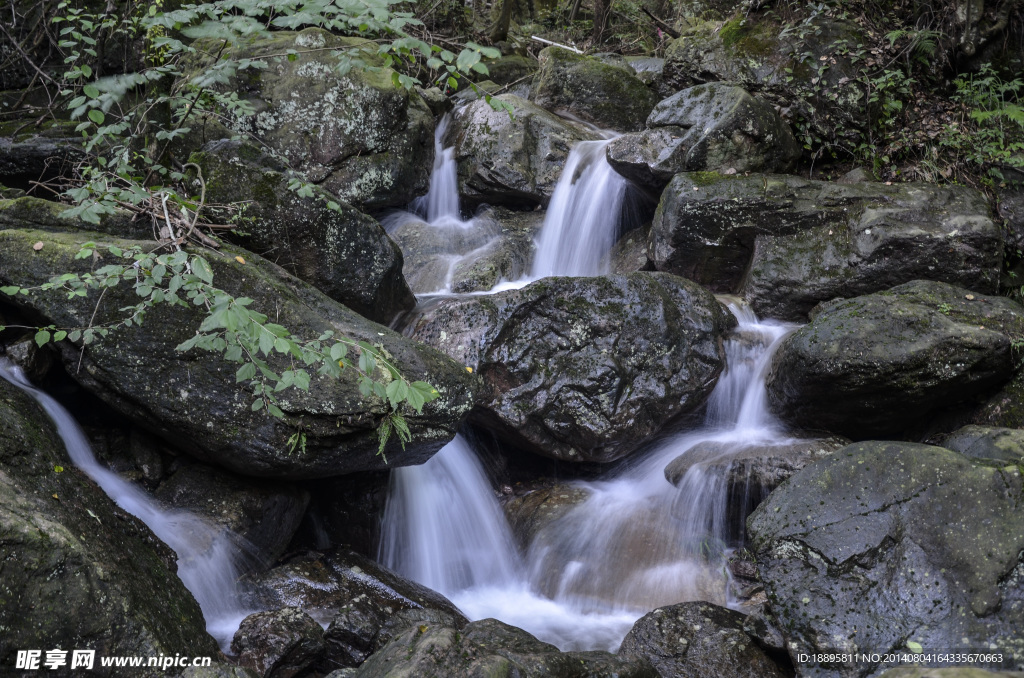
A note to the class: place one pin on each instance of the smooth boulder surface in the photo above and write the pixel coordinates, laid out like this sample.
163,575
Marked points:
532,512
263,513
358,134
511,160
882,363
75,570
192,400
342,252
489,648
787,243
604,93
1000,445
715,127
887,543
585,369
698,640
279,643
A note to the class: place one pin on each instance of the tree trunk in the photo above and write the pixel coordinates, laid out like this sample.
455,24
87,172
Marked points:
500,30
602,8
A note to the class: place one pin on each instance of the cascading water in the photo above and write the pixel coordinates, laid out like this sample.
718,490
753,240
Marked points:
637,542
582,221
441,203
208,557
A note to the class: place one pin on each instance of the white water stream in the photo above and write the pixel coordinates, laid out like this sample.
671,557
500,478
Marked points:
208,556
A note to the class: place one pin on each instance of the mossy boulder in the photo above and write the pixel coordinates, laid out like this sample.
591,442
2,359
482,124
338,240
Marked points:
811,73
604,93
881,364
77,572
359,135
1001,445
885,543
511,160
489,648
788,243
715,127
1005,408
35,151
191,399
585,369
342,252
696,640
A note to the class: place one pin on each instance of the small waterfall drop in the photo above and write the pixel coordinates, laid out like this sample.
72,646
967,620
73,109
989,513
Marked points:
208,556
582,221
637,542
440,206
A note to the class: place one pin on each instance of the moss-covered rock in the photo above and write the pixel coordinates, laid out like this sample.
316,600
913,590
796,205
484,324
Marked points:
511,160
77,572
883,544
1000,445
696,640
713,127
342,252
358,135
882,363
811,73
191,399
585,369
606,94
789,243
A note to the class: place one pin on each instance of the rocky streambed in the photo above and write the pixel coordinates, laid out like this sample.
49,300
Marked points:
765,424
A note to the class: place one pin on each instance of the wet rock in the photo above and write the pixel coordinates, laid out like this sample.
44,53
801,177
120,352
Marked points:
880,364
219,670
33,152
466,257
323,585
512,69
696,640
788,243
279,643
344,510
585,369
489,647
530,513
35,361
987,442
191,399
629,254
511,160
606,94
76,570
46,215
871,549
1005,408
762,466
716,127
359,135
264,513
342,252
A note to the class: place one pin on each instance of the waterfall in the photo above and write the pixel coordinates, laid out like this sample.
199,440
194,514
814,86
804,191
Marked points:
208,557
636,543
582,221
441,203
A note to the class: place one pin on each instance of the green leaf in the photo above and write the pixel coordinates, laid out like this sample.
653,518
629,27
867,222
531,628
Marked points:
245,373
96,115
202,270
10,290
42,336
275,410
59,335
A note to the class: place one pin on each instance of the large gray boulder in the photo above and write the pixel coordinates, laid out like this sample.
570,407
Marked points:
77,571
511,160
597,90
885,544
489,648
191,399
999,445
880,364
263,513
279,643
788,243
697,640
585,369
342,252
714,127
359,135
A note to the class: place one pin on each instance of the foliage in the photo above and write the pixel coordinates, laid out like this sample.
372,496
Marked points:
234,330
128,122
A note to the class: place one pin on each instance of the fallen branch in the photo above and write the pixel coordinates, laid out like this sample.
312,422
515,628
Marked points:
556,44
673,33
